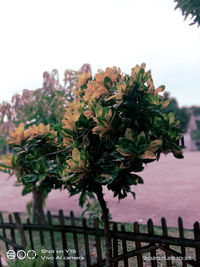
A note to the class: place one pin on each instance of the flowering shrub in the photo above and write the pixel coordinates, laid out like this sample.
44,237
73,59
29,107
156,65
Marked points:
115,126
34,163
36,142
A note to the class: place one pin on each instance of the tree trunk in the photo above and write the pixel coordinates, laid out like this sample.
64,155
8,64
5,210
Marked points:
37,207
107,235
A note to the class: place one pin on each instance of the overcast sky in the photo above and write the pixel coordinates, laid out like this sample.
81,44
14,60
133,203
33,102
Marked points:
38,36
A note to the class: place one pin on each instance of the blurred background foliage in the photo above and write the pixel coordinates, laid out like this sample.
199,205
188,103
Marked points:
30,129
44,105
190,8
181,114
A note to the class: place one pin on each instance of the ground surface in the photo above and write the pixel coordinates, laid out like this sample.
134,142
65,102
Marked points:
171,189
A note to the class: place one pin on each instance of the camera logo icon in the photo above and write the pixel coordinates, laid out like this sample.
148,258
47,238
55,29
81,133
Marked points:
21,254
11,254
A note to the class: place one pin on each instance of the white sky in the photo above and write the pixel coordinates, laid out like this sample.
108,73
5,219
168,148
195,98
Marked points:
38,36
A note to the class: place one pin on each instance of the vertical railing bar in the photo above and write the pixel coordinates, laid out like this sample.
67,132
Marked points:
4,231
86,242
75,239
12,231
138,244
98,242
151,232
124,247
115,245
52,239
165,234
20,229
41,234
30,235
181,235
64,238
197,237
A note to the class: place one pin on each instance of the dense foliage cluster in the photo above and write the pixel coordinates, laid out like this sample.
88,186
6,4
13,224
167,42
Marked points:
33,160
115,126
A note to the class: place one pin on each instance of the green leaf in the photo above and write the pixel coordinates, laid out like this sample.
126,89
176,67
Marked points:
30,178
82,121
27,189
29,207
139,180
133,194
107,83
82,199
178,155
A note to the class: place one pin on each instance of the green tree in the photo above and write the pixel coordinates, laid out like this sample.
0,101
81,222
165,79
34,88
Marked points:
116,125
189,7
195,110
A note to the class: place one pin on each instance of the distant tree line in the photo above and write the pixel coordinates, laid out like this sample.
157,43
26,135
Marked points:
196,133
196,110
181,114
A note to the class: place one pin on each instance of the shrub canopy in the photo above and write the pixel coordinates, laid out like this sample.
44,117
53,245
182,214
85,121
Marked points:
33,160
114,127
